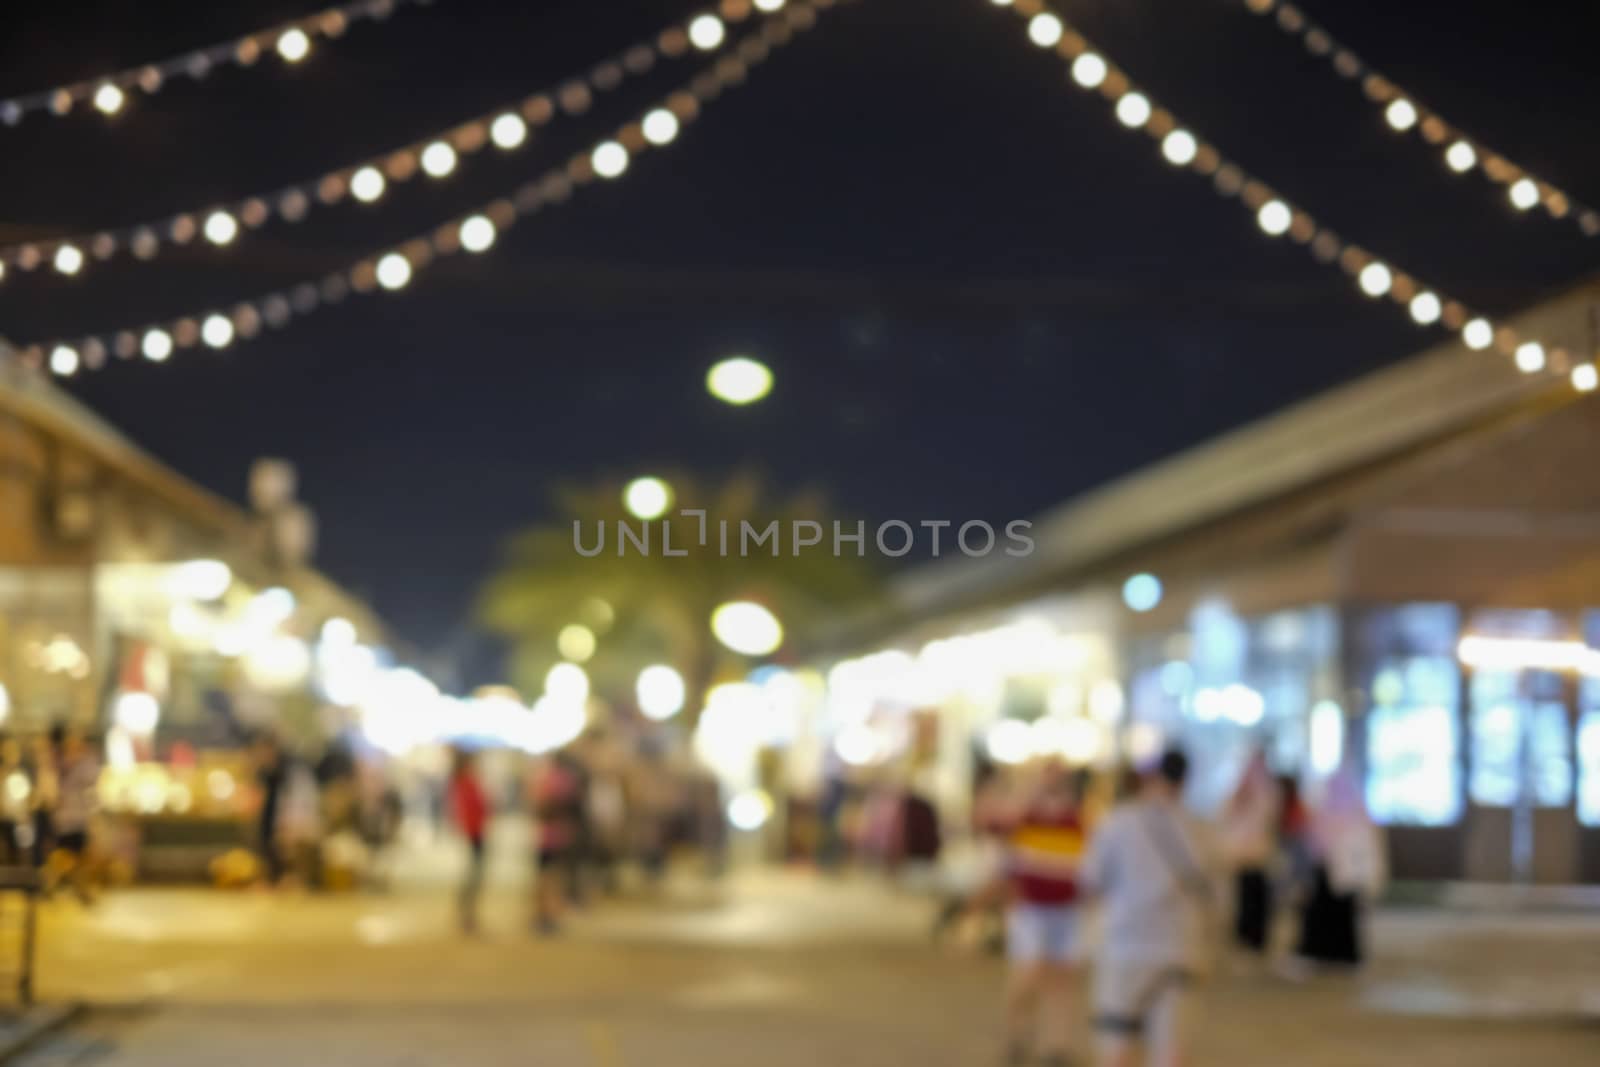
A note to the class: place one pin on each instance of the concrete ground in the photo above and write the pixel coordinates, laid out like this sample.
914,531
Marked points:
776,969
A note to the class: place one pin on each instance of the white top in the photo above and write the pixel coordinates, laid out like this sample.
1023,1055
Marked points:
1154,870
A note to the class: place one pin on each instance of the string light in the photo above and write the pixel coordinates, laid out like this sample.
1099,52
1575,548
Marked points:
610,159
438,159
1585,377
221,228
477,234
507,126
1089,70
1402,110
1045,30
68,260
769,6
1375,278
508,131
394,269
1133,110
660,126
157,345
109,93
367,184
706,32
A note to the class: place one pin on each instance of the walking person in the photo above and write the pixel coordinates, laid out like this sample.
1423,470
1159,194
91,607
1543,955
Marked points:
469,812
1249,827
46,792
1349,869
16,815
1045,844
556,791
1152,869
272,776
79,782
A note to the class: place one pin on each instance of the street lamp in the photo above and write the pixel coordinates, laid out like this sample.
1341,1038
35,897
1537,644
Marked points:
747,628
660,691
647,498
739,381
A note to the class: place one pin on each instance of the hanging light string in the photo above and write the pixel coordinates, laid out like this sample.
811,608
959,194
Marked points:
1275,215
1403,112
291,41
473,233
436,156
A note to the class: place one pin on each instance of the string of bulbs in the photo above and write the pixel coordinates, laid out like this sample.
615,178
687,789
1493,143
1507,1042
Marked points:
1403,111
1276,216
110,94
476,232
436,155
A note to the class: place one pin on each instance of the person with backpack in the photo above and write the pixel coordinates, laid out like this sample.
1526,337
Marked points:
1153,870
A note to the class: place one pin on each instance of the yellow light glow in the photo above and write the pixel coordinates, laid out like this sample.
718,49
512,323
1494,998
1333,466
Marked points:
1426,308
769,6
749,809
1133,110
508,131
294,45
1524,193
1274,218
157,345
747,628
660,126
136,713
660,690
1460,157
647,498
200,579
64,360
1530,357
1089,70
1044,30
438,159
1375,279
108,99
1401,114
1179,147
68,259
394,271
221,228
706,32
576,642
217,330
367,184
1478,334
610,159
1585,377
739,381
477,234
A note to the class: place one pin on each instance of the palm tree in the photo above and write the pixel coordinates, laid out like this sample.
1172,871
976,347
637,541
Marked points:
648,607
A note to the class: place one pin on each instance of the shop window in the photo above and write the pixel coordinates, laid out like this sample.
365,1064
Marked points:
1414,743
1589,768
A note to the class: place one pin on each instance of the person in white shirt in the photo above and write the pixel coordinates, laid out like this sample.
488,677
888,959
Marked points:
1153,871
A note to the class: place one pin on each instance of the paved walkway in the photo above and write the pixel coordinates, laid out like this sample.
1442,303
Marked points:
772,970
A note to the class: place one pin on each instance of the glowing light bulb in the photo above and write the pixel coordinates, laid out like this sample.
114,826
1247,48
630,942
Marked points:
1044,30
64,360
157,345
68,259
477,234
1524,193
508,131
367,184
1530,357
770,6
1585,377
647,498
1274,218
1375,279
438,159
1460,157
660,126
294,45
221,228
747,628
610,159
576,642
706,32
109,99
1478,334
1133,110
1179,147
1426,309
1089,70
1401,114
217,330
660,690
394,271
739,381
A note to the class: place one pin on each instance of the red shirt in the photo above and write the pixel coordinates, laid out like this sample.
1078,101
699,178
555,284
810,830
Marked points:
468,805
1046,846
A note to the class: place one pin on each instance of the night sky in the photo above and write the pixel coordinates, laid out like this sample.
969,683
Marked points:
979,294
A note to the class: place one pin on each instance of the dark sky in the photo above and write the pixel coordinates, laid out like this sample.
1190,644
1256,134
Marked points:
980,295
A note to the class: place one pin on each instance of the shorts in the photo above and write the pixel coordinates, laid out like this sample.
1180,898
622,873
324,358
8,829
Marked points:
1149,1002
1042,933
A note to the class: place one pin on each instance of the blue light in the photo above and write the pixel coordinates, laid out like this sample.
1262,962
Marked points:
1142,592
